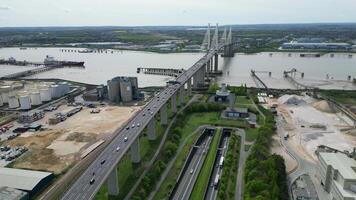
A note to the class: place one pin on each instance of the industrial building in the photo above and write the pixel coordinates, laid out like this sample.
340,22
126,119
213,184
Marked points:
25,180
236,113
123,89
223,94
338,175
317,46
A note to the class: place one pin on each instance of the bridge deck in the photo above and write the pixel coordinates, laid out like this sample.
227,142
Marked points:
82,189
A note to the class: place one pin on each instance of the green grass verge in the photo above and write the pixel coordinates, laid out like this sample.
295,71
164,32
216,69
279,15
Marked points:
242,100
251,134
202,182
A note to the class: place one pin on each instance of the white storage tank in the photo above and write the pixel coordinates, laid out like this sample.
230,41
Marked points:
1,102
55,91
35,98
25,102
45,94
64,87
4,91
13,102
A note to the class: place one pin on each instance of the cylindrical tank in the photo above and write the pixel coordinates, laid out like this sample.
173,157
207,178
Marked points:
5,90
114,90
1,102
55,91
45,94
64,87
35,98
13,102
25,102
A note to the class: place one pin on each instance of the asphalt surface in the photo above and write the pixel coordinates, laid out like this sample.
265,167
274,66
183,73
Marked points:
102,166
212,192
186,185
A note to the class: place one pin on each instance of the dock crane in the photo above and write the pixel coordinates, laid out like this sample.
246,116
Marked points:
293,73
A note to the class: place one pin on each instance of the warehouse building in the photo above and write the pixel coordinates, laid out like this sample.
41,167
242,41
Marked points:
338,175
123,89
317,46
29,181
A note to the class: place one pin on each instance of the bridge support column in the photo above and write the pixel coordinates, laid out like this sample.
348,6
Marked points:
151,129
216,62
135,151
163,112
195,80
181,96
174,103
113,183
189,87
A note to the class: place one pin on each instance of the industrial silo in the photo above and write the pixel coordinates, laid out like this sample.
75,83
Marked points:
45,94
25,102
13,102
125,90
35,98
114,90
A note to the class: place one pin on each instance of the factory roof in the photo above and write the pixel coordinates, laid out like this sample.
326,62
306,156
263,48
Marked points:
12,194
346,166
21,179
239,110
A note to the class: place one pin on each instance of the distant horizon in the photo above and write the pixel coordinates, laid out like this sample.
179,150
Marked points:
211,24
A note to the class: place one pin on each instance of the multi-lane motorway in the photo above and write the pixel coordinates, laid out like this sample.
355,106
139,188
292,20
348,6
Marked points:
186,185
90,181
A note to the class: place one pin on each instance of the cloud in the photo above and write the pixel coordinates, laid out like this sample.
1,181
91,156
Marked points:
4,7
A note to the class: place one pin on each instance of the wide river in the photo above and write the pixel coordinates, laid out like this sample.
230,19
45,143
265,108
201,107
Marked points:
100,67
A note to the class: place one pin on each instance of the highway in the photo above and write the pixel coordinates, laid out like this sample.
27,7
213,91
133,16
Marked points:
212,191
186,184
102,166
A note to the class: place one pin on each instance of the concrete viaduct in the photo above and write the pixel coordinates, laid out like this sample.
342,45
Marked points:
104,167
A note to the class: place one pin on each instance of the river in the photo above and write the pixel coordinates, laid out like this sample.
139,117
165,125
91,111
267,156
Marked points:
100,67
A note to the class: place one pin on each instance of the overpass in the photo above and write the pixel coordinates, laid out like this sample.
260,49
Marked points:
104,166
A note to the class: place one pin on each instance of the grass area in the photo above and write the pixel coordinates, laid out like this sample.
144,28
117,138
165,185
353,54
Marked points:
342,97
229,175
251,134
129,172
202,182
242,100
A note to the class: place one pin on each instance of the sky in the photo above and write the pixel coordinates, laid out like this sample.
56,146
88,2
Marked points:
15,13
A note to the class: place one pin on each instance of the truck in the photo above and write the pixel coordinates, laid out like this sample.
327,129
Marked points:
216,181
221,162
286,136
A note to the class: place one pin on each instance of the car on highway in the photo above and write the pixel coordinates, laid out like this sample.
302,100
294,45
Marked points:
151,113
191,171
127,128
102,162
125,139
91,181
133,126
118,149
138,124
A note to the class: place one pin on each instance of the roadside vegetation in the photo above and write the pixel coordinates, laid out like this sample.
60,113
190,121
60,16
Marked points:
202,182
229,176
265,174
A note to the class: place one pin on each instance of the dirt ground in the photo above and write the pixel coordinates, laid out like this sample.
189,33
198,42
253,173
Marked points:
59,146
277,148
311,123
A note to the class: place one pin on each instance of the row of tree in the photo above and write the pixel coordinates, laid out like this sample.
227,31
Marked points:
231,162
265,174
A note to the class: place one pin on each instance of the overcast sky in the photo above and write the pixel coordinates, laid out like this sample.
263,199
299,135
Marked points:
172,12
